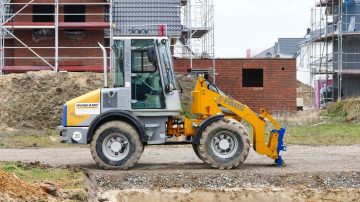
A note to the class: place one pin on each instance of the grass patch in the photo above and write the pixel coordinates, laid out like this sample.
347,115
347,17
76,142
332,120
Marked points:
324,134
319,134
63,178
31,138
347,111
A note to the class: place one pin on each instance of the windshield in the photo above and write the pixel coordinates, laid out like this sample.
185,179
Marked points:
166,62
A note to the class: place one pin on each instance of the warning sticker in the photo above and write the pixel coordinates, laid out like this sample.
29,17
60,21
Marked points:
87,108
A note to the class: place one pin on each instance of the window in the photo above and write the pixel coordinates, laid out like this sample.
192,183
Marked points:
139,57
252,77
74,13
166,63
119,63
140,62
43,13
146,85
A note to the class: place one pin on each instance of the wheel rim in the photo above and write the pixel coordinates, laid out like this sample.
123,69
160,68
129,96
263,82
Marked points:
224,144
116,147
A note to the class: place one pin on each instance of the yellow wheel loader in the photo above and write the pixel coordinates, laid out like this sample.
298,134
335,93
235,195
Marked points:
143,107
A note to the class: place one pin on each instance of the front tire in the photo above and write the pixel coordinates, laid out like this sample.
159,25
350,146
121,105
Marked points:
116,145
224,144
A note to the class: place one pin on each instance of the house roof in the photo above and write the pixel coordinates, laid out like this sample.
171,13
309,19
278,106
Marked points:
131,16
288,46
268,53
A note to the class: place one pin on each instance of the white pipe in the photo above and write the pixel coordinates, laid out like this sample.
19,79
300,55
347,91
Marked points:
105,65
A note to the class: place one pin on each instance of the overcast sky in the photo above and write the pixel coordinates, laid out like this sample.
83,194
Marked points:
256,24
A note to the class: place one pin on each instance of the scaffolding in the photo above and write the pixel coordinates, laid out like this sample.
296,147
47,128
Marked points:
333,56
197,38
49,30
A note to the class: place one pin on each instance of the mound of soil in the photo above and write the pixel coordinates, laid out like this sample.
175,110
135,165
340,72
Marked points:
304,91
35,100
187,84
12,188
344,111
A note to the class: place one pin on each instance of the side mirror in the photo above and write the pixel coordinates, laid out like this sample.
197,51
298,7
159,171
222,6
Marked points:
152,57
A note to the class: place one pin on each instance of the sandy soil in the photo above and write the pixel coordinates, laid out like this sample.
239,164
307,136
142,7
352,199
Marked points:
13,189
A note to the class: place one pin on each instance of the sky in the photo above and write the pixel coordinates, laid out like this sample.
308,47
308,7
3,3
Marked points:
257,24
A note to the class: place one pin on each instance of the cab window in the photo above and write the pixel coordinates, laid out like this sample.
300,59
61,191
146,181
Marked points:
119,63
146,86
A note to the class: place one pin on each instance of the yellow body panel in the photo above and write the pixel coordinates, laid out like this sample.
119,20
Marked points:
83,108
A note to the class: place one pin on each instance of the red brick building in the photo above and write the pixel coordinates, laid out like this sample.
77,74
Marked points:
269,83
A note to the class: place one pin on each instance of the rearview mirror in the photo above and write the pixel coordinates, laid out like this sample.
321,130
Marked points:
152,57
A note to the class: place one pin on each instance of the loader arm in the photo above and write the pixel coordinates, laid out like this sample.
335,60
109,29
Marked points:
208,100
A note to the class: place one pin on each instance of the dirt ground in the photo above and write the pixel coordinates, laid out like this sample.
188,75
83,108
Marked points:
312,174
298,158
13,189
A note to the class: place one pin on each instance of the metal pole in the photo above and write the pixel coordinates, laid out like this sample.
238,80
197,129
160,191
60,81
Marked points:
105,65
2,49
112,66
326,56
56,35
190,34
332,47
213,39
340,44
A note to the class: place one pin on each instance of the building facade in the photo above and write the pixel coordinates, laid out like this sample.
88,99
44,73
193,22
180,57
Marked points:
269,83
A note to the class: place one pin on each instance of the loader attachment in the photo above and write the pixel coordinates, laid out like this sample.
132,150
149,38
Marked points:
280,146
276,140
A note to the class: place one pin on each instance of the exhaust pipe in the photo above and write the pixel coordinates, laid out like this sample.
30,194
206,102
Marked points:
105,65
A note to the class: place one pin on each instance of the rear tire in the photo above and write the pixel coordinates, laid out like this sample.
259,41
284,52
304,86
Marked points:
116,145
224,144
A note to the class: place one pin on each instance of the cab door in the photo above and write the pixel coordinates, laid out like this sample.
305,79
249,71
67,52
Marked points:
146,86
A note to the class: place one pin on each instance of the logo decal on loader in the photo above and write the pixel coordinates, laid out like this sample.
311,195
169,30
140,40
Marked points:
87,108
231,102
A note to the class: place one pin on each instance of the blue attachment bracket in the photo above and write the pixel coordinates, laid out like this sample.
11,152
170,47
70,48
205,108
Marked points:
280,147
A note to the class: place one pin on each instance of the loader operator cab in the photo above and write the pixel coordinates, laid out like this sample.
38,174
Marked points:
145,65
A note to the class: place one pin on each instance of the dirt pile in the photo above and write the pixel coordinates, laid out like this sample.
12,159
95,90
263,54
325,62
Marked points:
13,189
187,84
35,100
304,91
344,111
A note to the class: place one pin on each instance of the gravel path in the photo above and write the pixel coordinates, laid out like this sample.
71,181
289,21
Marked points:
298,158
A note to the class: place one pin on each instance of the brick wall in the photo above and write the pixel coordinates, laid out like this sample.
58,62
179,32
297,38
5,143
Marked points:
279,81
90,39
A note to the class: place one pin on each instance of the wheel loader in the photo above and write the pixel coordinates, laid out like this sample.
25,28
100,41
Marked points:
142,107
